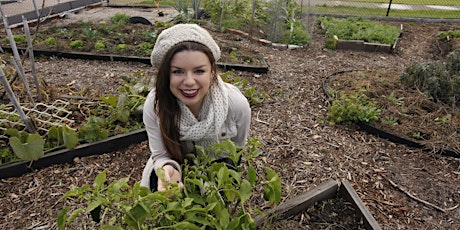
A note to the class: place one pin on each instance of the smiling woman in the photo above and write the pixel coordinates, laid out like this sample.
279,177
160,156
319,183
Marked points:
190,104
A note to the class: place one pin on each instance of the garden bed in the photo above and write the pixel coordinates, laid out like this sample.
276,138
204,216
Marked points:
313,203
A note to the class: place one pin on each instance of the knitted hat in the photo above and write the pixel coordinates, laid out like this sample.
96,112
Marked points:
181,33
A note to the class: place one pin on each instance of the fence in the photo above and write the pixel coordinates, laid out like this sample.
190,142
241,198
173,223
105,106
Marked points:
435,9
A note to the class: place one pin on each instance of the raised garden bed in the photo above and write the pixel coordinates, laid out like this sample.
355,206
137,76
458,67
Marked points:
358,34
406,115
108,145
328,190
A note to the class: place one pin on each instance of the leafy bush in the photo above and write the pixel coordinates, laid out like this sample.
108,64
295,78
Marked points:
99,45
120,19
145,48
50,41
441,82
352,108
300,36
16,38
214,197
448,35
77,44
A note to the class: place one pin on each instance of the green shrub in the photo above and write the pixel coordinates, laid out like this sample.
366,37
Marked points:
99,45
77,44
441,82
51,41
120,19
215,196
17,39
448,35
353,108
145,48
121,47
300,35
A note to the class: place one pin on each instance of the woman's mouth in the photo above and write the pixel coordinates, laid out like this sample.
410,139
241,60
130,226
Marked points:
189,92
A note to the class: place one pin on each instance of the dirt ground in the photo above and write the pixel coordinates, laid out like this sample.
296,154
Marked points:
404,188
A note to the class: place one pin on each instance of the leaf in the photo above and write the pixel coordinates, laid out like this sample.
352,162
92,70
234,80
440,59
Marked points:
252,175
70,137
101,178
61,219
136,216
110,100
29,151
185,225
245,191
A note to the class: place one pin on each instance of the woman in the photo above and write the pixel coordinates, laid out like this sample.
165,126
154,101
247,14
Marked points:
190,104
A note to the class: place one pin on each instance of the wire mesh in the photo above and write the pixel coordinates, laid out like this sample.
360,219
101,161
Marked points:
44,116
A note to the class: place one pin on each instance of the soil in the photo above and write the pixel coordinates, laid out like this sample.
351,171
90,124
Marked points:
404,188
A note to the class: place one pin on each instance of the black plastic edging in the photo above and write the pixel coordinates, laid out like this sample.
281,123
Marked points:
368,128
63,156
145,60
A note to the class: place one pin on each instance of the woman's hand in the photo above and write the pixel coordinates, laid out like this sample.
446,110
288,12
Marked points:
171,176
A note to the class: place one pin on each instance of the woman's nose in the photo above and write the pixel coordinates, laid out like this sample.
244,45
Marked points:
189,79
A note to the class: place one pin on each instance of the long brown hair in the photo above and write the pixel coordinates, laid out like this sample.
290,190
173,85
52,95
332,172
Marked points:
166,105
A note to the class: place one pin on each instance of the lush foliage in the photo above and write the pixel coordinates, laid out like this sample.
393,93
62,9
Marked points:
254,97
448,35
215,196
439,81
357,28
114,115
352,108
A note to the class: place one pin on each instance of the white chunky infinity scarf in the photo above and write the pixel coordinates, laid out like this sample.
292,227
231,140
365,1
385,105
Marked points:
204,131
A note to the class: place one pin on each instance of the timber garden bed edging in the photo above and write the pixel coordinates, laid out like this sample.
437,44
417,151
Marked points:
326,190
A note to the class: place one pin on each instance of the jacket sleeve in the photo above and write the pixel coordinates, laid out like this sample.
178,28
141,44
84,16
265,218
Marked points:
159,156
240,111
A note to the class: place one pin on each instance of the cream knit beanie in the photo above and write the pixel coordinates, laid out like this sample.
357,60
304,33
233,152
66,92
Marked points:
181,33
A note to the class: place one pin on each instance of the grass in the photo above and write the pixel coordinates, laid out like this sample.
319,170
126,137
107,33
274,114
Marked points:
418,2
365,11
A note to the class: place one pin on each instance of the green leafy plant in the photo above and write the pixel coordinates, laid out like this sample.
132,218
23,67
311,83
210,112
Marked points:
215,196
448,35
441,82
77,44
393,99
16,38
99,45
119,19
392,120
26,146
93,129
50,41
121,47
145,48
64,136
353,108
443,119
254,97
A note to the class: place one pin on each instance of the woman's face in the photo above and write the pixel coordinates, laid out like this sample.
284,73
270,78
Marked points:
190,78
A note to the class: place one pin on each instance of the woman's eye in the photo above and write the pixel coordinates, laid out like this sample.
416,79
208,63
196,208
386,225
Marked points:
199,71
177,71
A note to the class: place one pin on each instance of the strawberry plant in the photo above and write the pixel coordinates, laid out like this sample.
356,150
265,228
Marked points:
215,196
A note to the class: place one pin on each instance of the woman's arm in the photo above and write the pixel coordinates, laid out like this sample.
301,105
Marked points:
241,114
159,156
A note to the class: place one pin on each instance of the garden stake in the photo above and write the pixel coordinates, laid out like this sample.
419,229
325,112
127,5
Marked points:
31,56
16,59
17,106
